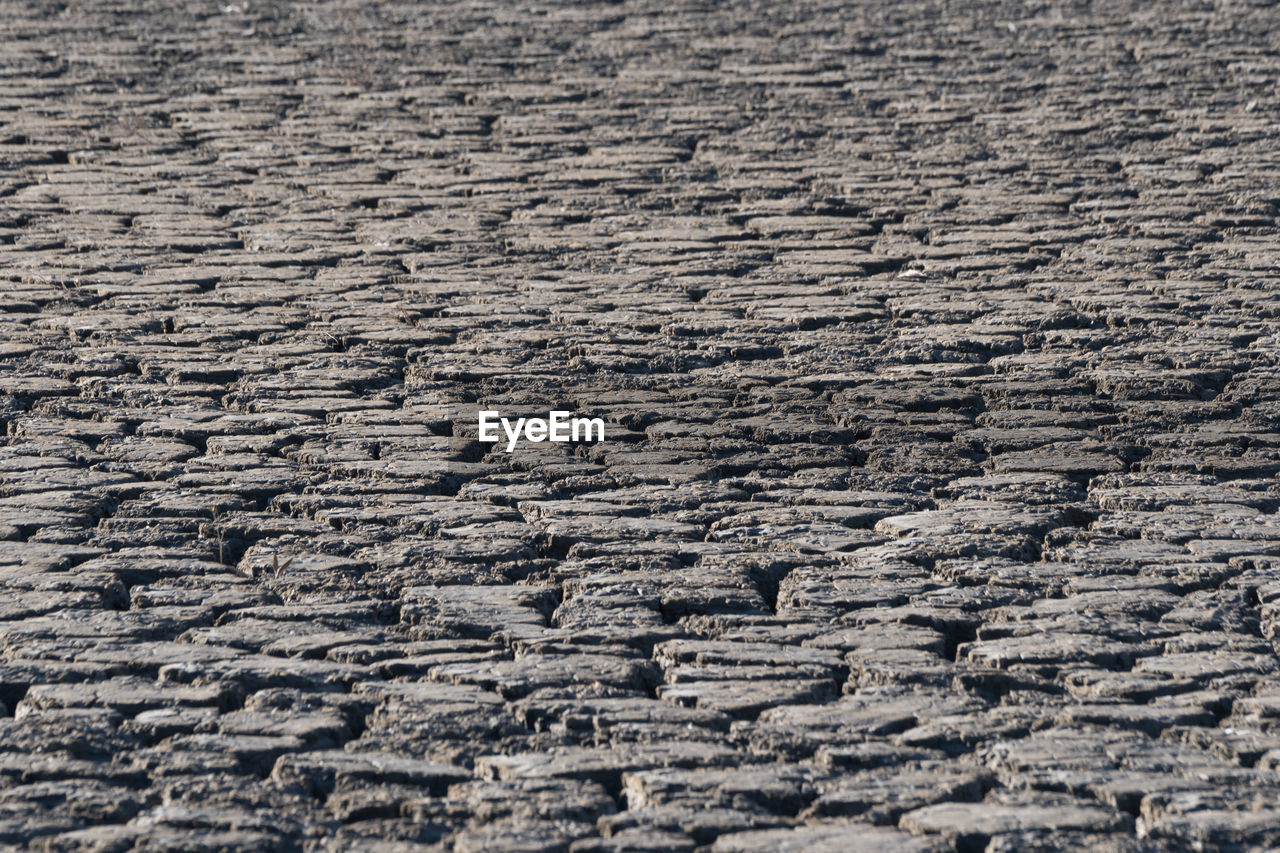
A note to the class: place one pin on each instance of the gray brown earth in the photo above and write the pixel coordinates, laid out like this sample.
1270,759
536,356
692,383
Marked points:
938,346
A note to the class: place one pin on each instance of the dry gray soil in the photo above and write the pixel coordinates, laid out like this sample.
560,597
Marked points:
938,347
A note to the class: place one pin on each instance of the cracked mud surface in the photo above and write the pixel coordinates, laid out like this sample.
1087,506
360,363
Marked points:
938,347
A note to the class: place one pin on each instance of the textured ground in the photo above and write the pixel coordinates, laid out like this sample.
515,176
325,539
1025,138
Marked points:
938,345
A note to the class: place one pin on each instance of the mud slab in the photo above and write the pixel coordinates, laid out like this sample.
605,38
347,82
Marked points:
937,347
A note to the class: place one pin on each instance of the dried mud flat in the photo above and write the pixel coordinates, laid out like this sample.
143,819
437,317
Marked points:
938,348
